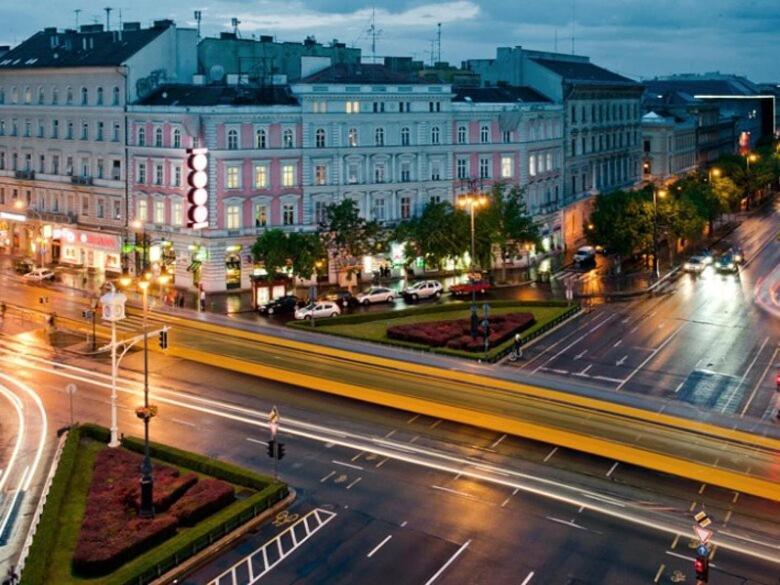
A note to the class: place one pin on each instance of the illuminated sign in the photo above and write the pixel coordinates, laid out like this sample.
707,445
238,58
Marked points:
198,196
12,216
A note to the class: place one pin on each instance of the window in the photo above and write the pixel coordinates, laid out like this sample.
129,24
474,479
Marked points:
117,212
461,168
27,95
40,129
85,131
14,162
100,169
100,208
158,137
142,210
233,177
573,114
434,106
28,162
405,134
69,166
319,107
288,175
14,95
288,138
435,171
406,173
85,205
141,174
84,96
379,137
142,136
506,167
14,128
41,96
288,214
484,134
406,207
379,209
462,135
158,174
353,107
435,135
261,177
115,132
233,217
549,161
647,145
320,212
42,164
55,164
319,138
404,107
261,215
99,96
484,168
177,215
115,97
507,136
176,138
27,128
353,173
176,175
55,96
379,173
320,175
116,170
532,165
2,127
260,138
99,133
232,139
352,137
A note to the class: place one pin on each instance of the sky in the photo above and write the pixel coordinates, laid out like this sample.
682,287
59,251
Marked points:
637,38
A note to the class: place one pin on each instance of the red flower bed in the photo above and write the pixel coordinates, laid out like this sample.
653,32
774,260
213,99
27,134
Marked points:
208,496
456,333
112,533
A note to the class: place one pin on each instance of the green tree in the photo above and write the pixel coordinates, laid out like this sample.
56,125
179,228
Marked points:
348,237
699,192
306,254
440,232
289,254
622,221
271,249
679,218
727,191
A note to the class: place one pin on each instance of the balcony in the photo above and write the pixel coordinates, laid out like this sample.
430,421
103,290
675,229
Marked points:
28,175
81,180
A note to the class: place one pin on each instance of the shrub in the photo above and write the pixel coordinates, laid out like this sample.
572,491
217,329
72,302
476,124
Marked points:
205,498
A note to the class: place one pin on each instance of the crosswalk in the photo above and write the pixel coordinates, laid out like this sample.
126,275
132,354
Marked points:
574,275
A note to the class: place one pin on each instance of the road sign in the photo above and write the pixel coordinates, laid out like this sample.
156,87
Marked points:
702,519
704,536
70,388
273,419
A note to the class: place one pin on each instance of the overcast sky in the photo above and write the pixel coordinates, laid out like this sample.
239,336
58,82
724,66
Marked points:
638,38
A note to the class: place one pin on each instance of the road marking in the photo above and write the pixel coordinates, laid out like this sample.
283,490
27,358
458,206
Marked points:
497,441
618,342
658,574
584,373
579,355
621,361
557,371
356,456
608,379
550,454
575,342
414,418
413,439
693,505
390,434
354,483
564,338
758,384
566,522
736,497
183,422
463,547
581,509
505,502
404,523
611,469
742,379
634,329
652,355
327,477
687,558
527,580
727,518
680,385
455,492
380,545
675,541
381,463
337,462
701,489
436,424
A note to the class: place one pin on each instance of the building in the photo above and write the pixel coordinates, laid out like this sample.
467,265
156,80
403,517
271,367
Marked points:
63,96
602,150
668,146
773,89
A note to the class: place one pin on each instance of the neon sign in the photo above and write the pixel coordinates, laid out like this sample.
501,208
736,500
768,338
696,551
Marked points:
198,196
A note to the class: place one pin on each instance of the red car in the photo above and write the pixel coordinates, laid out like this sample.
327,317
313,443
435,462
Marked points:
478,286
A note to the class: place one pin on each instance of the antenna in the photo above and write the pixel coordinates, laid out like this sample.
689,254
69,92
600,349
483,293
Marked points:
374,34
120,22
77,12
234,22
438,42
573,20
108,10
198,18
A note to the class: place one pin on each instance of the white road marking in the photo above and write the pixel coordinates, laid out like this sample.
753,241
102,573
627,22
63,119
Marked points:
575,342
611,469
449,562
380,545
566,522
497,441
687,558
618,342
758,383
354,483
652,355
390,434
527,580
550,454
680,385
557,371
621,361
742,379
579,355
562,339
436,424
584,372
658,574
381,463
454,492
414,418
327,477
183,422
608,379
337,462
404,523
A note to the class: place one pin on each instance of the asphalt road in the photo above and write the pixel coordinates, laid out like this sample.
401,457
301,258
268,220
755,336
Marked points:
704,341
382,473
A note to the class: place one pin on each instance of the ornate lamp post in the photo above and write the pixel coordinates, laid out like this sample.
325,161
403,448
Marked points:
656,194
113,311
472,202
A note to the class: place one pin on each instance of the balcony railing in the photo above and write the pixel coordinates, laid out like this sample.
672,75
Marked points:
28,175
81,180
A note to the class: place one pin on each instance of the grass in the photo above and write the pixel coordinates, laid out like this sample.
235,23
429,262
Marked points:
373,326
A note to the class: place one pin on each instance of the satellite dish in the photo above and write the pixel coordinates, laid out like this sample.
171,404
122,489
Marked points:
216,73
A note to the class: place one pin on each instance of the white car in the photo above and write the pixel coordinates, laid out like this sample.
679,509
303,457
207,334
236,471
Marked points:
584,255
425,289
695,264
376,294
39,274
318,310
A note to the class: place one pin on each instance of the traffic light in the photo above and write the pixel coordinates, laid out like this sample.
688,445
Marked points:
702,567
163,339
280,451
271,449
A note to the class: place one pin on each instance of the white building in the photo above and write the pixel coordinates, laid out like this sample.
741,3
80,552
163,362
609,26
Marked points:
668,145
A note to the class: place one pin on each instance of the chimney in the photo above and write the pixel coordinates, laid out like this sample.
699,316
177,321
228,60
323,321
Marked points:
165,23
227,36
91,28
131,26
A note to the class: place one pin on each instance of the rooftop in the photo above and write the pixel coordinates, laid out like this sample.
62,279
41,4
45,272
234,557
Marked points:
578,71
499,95
361,73
692,86
91,46
219,95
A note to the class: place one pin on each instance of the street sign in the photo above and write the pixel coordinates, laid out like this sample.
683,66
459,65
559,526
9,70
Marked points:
273,419
702,550
704,536
70,388
702,519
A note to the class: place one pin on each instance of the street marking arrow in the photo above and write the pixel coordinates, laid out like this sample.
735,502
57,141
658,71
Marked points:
579,355
621,361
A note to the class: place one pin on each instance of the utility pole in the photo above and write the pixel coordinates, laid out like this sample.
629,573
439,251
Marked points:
198,18
438,43
108,10
374,34
77,12
573,19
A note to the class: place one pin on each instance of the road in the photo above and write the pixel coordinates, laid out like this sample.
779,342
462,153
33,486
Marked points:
704,342
460,504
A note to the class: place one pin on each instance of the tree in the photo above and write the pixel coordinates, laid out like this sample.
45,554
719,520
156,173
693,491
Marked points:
306,254
271,249
694,189
622,222
440,232
293,254
680,218
348,237
727,192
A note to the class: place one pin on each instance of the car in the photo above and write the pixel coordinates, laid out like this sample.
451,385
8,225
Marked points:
425,289
24,265
341,296
706,256
376,294
737,254
39,274
585,255
479,287
726,264
281,305
318,310
695,265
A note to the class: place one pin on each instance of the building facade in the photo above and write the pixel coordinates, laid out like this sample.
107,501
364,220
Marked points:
668,146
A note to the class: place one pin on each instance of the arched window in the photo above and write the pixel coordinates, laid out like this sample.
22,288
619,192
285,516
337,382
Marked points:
158,136
379,137
319,138
352,137
41,96
435,135
176,138
100,96
232,139
84,96
27,95
405,136
260,138
287,138
55,95
115,98
142,136
14,95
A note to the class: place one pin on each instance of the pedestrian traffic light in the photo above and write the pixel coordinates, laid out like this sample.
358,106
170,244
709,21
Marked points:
163,339
271,449
702,567
280,451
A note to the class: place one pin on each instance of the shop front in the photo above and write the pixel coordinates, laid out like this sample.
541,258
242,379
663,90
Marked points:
162,256
92,250
233,267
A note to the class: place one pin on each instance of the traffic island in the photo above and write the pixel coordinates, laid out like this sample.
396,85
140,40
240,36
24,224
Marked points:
90,531
444,329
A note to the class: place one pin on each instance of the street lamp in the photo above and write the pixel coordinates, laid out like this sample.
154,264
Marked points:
657,193
143,265
750,158
472,203
113,311
714,172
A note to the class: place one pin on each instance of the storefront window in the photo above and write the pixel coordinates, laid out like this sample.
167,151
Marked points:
233,267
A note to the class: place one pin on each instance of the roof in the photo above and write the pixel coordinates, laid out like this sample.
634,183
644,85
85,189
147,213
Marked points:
361,73
725,86
579,71
501,94
50,48
216,95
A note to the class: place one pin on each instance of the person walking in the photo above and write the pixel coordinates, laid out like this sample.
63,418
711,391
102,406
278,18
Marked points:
202,299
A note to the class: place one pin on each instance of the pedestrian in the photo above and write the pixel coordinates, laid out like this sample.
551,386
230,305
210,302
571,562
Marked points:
181,301
202,300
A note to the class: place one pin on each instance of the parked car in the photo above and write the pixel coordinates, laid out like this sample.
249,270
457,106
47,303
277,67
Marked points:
318,310
585,255
479,287
24,265
425,289
280,306
376,294
695,265
342,296
737,254
39,274
706,256
726,264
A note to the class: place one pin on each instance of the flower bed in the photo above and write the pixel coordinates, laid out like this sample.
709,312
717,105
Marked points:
456,333
112,533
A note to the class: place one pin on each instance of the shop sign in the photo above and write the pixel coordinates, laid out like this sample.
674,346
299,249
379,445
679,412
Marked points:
90,239
12,216
198,196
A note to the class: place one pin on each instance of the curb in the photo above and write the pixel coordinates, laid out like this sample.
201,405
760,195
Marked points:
201,558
